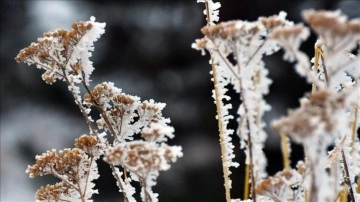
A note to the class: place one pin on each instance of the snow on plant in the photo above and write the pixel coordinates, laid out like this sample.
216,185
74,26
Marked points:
138,131
328,116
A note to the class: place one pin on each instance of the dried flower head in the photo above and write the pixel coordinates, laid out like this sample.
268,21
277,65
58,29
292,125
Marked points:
64,53
144,160
279,187
334,29
331,22
62,163
73,167
230,29
273,21
316,117
88,144
56,192
143,157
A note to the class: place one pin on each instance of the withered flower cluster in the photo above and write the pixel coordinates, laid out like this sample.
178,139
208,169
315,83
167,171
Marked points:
138,129
319,111
54,192
53,52
280,187
72,166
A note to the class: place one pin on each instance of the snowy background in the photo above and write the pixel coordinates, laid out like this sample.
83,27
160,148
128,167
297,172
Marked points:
146,52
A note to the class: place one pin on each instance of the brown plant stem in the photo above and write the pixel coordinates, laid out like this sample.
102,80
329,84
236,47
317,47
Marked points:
347,176
246,182
342,196
325,70
285,151
221,133
316,67
220,120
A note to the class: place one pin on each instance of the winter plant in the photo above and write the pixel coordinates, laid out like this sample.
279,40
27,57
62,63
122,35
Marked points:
130,135
327,116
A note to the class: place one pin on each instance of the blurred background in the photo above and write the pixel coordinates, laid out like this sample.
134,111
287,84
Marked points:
146,51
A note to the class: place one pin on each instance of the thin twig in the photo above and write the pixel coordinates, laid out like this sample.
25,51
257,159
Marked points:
88,174
103,115
325,70
347,176
56,174
230,66
255,52
119,182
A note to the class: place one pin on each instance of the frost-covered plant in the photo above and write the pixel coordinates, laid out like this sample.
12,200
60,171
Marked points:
130,134
327,116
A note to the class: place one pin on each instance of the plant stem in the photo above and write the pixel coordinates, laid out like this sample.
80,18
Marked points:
316,68
354,127
207,12
342,196
246,182
253,194
285,151
221,133
347,176
220,119
88,174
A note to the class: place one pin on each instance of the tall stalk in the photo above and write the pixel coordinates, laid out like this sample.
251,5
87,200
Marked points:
220,118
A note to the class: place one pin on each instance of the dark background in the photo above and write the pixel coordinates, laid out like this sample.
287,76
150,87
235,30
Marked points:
146,51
